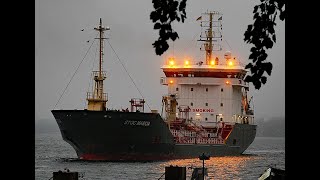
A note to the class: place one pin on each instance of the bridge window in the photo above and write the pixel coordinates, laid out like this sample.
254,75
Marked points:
206,119
206,104
177,89
221,89
206,89
191,104
221,104
191,89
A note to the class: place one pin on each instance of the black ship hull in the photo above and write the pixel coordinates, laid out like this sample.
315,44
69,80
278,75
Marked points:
135,136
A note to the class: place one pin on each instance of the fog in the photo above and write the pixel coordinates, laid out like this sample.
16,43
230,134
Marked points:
60,46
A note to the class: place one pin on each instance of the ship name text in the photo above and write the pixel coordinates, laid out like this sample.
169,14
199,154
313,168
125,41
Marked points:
137,123
201,110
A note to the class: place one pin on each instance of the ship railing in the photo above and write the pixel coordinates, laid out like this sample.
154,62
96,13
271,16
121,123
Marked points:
192,140
208,134
241,82
210,141
177,133
97,74
95,96
187,133
243,119
174,132
217,124
199,140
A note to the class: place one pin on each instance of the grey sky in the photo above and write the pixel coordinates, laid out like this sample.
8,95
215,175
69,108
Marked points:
60,45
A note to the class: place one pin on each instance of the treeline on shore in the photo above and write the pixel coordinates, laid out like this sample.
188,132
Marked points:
272,127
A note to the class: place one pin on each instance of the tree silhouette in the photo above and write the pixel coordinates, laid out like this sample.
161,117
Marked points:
165,12
261,33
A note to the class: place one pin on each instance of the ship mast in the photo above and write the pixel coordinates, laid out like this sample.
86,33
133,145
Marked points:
211,35
97,99
208,45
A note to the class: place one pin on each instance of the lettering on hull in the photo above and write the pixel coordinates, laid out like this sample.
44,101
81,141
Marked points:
137,123
201,110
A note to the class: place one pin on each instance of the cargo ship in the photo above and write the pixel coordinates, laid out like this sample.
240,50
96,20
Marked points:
205,110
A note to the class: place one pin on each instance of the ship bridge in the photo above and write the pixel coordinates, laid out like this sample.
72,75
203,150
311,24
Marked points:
198,70
213,92
230,71
212,88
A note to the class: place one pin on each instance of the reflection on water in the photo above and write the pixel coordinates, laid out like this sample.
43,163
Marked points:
229,167
53,154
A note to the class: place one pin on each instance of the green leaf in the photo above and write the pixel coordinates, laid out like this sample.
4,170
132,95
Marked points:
174,36
252,56
282,15
262,57
248,66
182,18
280,4
157,26
270,27
267,42
257,84
274,37
156,3
267,67
263,79
154,16
253,49
247,36
254,69
248,78
255,9
274,17
262,7
271,9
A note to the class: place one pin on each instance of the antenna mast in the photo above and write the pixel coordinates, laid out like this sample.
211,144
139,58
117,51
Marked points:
101,30
97,99
211,34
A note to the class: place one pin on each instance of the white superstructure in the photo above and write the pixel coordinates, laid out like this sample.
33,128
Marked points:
206,92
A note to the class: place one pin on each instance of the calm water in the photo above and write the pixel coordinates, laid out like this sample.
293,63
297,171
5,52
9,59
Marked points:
53,154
